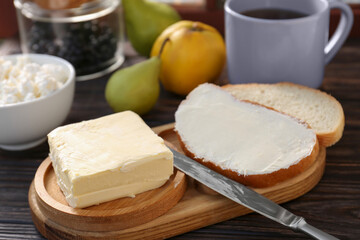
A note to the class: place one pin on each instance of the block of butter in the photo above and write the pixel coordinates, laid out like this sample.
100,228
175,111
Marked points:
108,158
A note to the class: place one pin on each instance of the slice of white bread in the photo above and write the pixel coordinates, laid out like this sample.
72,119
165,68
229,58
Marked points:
321,111
246,142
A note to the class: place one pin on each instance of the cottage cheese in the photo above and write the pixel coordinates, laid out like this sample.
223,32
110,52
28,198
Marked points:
25,80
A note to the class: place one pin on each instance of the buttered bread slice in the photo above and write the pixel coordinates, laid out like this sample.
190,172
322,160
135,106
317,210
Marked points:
321,111
247,142
107,158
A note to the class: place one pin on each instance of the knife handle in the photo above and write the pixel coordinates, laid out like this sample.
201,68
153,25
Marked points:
313,231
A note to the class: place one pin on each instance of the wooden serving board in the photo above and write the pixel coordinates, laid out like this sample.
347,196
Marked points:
147,216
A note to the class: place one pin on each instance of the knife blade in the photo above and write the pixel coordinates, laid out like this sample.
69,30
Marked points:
245,196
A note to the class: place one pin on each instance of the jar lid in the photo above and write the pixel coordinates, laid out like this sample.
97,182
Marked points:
65,11
60,4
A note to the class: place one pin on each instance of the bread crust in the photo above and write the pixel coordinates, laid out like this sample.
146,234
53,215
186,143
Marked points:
258,180
326,138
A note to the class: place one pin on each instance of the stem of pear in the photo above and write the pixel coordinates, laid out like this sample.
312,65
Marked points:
163,45
196,27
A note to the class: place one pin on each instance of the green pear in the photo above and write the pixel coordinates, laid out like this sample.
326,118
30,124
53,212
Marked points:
134,88
145,20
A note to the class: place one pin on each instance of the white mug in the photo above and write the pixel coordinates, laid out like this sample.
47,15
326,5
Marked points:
292,50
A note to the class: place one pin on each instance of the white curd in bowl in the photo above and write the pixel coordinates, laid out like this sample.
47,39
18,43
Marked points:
24,80
36,94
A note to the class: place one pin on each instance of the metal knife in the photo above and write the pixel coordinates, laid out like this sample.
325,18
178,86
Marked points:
245,196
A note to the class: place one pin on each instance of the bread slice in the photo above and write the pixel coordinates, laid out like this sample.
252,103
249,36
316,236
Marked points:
246,142
321,111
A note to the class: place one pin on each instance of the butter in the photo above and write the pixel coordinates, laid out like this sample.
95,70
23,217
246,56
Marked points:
240,136
108,158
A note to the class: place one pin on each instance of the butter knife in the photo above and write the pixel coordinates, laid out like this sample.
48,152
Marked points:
245,196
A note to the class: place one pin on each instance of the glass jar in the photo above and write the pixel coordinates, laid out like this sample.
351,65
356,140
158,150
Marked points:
90,35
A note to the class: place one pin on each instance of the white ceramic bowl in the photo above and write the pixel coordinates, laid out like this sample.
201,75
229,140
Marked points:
25,125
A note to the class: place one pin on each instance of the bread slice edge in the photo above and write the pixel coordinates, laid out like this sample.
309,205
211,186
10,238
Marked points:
259,180
326,138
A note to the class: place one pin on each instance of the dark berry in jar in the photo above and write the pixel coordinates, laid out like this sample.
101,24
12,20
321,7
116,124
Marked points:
90,46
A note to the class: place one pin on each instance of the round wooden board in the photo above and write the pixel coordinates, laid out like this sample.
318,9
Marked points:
199,207
109,216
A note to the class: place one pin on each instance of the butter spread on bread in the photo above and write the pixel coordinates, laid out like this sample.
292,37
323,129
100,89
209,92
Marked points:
107,158
321,111
250,143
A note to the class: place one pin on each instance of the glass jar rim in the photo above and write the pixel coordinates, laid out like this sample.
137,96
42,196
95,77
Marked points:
83,13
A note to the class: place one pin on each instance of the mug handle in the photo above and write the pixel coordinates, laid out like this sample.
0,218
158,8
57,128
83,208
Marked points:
342,30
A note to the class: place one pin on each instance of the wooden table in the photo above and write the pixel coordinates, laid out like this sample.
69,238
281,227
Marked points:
333,205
